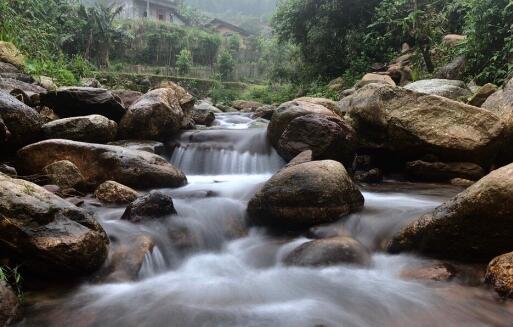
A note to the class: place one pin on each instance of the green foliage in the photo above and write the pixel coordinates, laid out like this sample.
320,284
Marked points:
12,277
489,48
221,94
225,64
184,62
63,71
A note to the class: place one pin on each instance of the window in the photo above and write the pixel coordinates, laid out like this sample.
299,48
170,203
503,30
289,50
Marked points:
145,14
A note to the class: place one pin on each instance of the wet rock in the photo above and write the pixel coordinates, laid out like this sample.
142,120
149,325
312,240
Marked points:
141,145
372,176
8,170
52,188
93,128
305,195
47,114
64,174
246,106
461,182
203,117
29,94
11,55
156,115
499,274
440,272
150,206
47,234
412,124
375,78
83,101
454,70
328,137
205,105
127,97
290,111
265,112
327,103
443,171
305,156
482,94
476,225
22,123
9,305
113,192
127,259
329,252
451,89
99,163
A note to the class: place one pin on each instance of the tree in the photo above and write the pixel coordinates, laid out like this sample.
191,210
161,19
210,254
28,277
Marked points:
184,62
226,64
106,33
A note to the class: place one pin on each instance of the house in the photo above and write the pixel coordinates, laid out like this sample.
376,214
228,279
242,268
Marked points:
162,10
226,29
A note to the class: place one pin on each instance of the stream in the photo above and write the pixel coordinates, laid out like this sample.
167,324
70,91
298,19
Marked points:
208,268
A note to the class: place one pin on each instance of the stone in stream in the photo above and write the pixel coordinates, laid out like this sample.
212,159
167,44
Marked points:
439,272
328,137
265,112
185,99
99,163
64,174
289,111
475,226
9,305
246,106
82,101
451,89
499,274
47,234
484,92
93,128
154,116
203,117
152,205
305,195
443,171
113,192
412,124
329,252
22,123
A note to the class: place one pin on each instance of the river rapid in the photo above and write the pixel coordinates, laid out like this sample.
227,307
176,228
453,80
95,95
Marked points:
208,268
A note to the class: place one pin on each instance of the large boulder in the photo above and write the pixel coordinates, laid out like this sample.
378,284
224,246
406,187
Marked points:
83,101
305,195
127,97
265,112
289,111
203,117
93,128
155,115
476,225
64,174
499,274
47,234
142,145
9,305
99,163
11,55
30,94
22,122
484,92
452,89
329,252
150,206
375,78
454,70
246,106
113,192
501,104
185,99
328,137
328,103
413,124
443,171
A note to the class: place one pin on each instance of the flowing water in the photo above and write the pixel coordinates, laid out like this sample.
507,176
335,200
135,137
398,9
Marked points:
208,268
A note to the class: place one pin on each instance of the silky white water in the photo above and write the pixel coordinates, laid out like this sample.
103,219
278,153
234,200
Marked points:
209,269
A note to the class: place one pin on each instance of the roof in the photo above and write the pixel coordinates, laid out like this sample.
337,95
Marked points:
218,22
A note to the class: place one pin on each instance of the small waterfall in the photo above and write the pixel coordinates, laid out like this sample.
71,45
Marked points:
226,152
153,263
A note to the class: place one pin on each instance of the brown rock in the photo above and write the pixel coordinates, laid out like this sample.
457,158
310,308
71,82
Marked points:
442,171
99,163
265,112
440,272
93,128
476,225
127,97
461,182
246,106
64,174
153,205
499,274
27,93
482,94
11,55
185,100
329,252
113,192
305,195
375,78
9,305
327,103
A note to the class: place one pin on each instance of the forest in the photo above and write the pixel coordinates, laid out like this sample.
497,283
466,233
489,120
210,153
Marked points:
237,163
